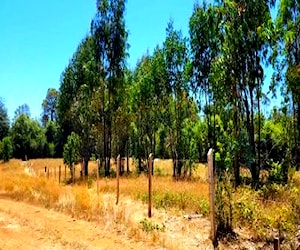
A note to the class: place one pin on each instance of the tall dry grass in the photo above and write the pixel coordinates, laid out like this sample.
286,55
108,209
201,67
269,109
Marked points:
27,182
271,208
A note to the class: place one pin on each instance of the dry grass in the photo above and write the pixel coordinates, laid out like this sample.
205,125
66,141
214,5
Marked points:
27,181
271,208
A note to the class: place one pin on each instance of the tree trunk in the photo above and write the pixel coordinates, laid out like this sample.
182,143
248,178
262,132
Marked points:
259,130
236,166
254,170
140,164
174,165
297,153
127,157
85,166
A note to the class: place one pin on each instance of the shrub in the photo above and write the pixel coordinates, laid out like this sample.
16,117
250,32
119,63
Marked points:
224,204
6,149
71,152
278,172
149,226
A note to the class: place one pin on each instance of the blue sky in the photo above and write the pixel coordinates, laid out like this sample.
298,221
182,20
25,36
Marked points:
39,37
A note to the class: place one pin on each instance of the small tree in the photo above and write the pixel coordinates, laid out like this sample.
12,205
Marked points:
71,152
6,149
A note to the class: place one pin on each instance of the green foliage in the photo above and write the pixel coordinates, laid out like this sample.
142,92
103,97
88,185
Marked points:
4,121
22,110
272,208
6,149
89,183
71,152
246,209
49,106
224,204
149,226
49,150
278,172
27,137
182,201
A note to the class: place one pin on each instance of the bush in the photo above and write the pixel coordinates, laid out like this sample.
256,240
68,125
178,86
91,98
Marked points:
224,204
6,149
71,152
149,226
278,172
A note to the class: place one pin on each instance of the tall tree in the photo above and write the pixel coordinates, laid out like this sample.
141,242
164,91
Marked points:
79,83
246,30
109,31
22,109
49,106
205,40
28,138
288,26
175,48
4,121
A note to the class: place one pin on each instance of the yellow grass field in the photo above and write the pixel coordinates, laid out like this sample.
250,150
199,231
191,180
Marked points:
189,196
28,182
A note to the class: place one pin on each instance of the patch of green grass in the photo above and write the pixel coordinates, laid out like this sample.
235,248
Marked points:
149,226
181,200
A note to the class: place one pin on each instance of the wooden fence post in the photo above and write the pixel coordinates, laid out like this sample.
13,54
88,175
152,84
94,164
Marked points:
59,173
65,173
73,171
210,157
98,166
276,243
150,186
118,178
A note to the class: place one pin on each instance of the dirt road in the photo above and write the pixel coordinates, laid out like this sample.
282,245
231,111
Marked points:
23,226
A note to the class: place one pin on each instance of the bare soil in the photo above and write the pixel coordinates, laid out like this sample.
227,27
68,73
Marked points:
23,226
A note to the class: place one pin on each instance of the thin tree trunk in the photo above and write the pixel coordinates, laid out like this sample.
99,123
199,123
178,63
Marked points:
236,166
85,166
127,157
259,129
254,170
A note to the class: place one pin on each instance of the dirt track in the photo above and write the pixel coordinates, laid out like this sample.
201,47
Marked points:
23,226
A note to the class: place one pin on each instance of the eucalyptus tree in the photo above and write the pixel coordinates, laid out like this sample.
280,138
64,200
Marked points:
288,27
110,36
176,55
141,106
22,109
78,84
4,121
71,154
246,27
148,103
205,41
49,106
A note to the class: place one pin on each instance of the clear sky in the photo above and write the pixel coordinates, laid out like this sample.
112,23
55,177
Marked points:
39,37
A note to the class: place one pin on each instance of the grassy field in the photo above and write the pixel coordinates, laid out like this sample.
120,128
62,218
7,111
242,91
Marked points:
273,209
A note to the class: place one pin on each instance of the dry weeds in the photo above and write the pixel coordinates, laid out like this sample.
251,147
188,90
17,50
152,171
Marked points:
33,186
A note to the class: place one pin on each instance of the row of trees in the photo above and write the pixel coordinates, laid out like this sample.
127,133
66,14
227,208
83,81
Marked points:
189,94
26,138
